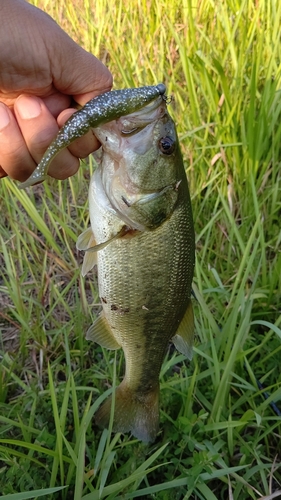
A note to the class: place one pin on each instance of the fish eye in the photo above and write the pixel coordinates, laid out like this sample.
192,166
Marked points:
167,145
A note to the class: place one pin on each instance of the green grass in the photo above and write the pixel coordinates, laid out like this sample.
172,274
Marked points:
220,431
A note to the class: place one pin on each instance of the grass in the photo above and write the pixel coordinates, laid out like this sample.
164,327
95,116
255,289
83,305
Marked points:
220,414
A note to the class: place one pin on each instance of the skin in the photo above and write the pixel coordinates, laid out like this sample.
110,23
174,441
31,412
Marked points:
42,71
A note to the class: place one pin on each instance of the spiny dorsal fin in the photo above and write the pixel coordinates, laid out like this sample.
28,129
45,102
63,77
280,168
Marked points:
101,333
183,340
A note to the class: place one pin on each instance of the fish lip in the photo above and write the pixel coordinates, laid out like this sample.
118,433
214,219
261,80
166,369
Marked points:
133,123
148,108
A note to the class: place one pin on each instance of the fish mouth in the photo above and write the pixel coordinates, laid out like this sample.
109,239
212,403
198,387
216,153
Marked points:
115,135
135,122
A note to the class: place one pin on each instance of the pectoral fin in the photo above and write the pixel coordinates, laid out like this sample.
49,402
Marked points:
101,333
183,340
100,246
84,239
84,242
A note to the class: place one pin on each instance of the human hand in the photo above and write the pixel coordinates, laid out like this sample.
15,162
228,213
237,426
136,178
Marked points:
42,70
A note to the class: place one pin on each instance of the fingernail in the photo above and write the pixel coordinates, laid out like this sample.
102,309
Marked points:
28,107
4,116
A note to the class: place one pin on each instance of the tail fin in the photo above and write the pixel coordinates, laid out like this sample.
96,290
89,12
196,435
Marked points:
134,412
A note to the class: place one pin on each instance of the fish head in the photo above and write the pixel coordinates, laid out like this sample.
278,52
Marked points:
141,167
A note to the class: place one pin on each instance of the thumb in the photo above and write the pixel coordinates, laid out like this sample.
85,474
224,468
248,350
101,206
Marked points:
78,73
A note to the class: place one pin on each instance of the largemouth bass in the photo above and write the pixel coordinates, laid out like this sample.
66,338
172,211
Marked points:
142,240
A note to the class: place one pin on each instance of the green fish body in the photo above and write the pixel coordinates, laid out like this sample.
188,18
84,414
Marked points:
142,240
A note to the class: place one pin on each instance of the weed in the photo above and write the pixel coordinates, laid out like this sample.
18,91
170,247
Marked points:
220,414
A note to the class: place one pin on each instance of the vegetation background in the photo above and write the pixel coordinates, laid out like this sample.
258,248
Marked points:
220,414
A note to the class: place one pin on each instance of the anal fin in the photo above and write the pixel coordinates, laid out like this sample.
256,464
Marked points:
101,333
183,340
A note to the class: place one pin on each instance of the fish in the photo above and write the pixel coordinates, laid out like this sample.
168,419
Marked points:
99,110
141,239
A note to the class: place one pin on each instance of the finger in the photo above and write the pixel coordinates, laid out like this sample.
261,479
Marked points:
15,159
56,102
84,146
39,128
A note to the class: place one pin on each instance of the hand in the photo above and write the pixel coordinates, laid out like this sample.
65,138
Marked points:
42,70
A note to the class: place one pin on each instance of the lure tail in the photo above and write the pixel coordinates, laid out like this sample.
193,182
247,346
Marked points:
134,412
